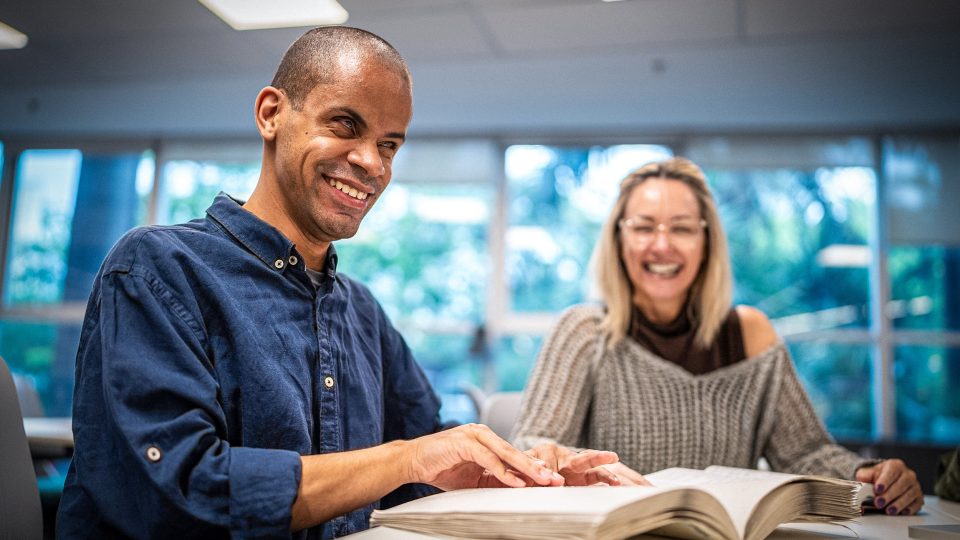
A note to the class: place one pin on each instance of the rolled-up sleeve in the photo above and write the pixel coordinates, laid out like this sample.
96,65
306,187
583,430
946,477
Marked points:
155,456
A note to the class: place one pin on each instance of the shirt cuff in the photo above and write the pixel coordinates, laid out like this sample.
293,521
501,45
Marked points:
263,486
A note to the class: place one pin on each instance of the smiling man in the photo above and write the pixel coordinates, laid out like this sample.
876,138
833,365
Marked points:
231,383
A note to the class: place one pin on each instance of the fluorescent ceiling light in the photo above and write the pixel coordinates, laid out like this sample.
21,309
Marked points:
256,14
10,38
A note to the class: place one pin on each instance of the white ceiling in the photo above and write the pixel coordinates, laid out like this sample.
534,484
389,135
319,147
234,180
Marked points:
503,67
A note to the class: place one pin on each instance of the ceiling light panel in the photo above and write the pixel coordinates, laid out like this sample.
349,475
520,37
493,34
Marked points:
11,38
256,14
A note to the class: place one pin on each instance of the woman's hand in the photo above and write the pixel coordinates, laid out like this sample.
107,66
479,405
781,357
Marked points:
583,468
627,476
896,490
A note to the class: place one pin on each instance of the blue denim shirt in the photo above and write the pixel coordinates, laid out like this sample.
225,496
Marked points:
208,363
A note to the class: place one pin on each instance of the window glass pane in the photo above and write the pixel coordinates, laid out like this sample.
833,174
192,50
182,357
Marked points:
837,379
69,208
515,358
928,404
41,356
924,287
422,250
922,189
43,204
798,242
558,199
188,186
449,364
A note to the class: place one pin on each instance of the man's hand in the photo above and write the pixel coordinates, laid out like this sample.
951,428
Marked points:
472,455
895,487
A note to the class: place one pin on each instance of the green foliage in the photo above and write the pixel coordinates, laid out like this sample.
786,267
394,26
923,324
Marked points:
37,268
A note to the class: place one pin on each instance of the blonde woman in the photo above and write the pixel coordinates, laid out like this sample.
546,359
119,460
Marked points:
666,373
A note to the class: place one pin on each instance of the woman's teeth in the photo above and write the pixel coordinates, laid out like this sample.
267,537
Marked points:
662,269
360,195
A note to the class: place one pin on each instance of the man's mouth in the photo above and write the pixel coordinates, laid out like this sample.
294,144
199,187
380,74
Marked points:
359,195
662,269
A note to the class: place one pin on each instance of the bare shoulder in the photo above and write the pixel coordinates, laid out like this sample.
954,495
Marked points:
758,332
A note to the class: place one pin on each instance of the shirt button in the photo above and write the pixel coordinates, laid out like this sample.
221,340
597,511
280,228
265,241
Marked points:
293,260
154,454
278,264
328,381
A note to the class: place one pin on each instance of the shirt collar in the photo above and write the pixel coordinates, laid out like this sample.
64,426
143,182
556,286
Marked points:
259,237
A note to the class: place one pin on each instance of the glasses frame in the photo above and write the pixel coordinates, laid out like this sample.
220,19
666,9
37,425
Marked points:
659,228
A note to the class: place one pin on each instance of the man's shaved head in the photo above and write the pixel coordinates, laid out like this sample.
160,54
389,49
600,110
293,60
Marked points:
316,56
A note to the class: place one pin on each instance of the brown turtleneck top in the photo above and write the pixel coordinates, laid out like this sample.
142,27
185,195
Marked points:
674,342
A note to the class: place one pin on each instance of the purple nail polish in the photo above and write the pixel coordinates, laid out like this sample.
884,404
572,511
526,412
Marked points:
880,502
905,512
892,510
878,489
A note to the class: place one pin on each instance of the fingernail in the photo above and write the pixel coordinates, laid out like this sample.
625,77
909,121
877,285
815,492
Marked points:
546,474
892,510
558,476
881,502
878,489
905,512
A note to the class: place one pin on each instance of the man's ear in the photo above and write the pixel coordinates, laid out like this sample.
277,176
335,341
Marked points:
270,100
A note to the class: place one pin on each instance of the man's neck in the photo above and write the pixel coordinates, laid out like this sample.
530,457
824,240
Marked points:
270,210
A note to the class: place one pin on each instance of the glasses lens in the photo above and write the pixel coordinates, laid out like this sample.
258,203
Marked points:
640,232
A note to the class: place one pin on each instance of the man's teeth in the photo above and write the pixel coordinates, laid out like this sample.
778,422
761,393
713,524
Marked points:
348,190
663,269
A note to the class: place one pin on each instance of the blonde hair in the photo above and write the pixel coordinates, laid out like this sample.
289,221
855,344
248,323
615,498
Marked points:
710,294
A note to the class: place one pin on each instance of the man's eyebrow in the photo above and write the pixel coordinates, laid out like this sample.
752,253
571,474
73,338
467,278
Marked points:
363,123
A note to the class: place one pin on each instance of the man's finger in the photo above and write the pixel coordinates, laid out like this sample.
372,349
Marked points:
509,456
483,456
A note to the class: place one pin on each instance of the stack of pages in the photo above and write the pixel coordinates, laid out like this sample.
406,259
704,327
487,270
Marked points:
719,502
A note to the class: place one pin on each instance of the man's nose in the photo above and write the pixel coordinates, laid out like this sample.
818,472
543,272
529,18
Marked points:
366,155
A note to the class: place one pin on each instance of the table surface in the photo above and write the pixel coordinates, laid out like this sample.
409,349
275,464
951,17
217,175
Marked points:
49,437
867,527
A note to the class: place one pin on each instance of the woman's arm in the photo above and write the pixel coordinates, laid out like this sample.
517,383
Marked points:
558,393
799,442
758,334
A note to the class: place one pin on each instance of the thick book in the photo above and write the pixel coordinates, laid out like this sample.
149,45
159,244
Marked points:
719,502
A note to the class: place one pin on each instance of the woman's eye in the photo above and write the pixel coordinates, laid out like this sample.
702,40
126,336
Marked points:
682,230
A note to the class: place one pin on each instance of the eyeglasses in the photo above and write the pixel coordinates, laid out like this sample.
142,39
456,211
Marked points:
641,232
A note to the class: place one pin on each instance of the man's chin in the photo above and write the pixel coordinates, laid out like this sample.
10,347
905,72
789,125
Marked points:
341,231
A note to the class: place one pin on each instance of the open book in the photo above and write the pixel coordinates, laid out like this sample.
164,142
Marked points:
719,502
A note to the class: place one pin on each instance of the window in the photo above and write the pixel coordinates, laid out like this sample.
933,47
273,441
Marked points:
69,206
922,190
477,247
424,252
558,200
193,174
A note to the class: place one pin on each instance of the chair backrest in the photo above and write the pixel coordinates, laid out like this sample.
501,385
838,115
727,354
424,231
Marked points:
20,512
29,398
500,411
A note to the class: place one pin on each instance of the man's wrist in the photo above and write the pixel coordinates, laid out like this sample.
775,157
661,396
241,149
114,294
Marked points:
401,453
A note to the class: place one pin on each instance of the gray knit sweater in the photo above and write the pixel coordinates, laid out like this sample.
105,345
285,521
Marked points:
656,415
